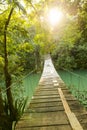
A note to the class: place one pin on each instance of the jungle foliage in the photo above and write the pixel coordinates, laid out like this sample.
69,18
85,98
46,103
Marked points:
71,50
26,35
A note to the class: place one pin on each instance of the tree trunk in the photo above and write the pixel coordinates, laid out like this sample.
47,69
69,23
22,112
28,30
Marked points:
6,72
37,58
1,105
5,123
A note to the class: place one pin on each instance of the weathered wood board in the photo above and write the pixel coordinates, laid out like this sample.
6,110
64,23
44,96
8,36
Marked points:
46,110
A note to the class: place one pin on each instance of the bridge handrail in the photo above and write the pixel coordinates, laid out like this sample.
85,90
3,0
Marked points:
21,79
74,73
78,89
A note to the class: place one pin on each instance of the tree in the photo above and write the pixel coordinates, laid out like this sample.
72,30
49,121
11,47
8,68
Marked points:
82,20
11,114
24,38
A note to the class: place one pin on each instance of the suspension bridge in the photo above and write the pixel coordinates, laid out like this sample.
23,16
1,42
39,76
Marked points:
52,106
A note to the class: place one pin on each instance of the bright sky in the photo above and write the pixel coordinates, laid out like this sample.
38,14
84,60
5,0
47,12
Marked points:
28,9
22,2
36,1
33,1
54,16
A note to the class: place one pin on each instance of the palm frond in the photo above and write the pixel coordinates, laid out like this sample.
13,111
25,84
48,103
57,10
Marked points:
20,6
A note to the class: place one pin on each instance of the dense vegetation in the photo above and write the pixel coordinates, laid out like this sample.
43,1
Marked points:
26,35
71,50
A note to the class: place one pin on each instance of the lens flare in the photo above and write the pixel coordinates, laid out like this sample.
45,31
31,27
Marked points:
55,16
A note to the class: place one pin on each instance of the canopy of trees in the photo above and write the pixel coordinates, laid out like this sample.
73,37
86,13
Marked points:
26,35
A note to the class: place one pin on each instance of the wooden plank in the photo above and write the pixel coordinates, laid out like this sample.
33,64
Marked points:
42,119
47,92
48,96
56,84
71,116
54,127
47,89
46,100
46,110
46,104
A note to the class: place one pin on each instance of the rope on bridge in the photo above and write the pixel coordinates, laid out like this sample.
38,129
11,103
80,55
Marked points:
77,85
24,87
14,84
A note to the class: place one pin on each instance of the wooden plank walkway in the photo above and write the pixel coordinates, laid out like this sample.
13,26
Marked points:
53,107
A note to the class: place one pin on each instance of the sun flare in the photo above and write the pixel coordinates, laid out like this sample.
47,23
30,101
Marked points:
55,16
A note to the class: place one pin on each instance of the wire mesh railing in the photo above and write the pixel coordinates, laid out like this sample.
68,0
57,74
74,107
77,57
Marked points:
30,83
24,87
76,83
22,91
